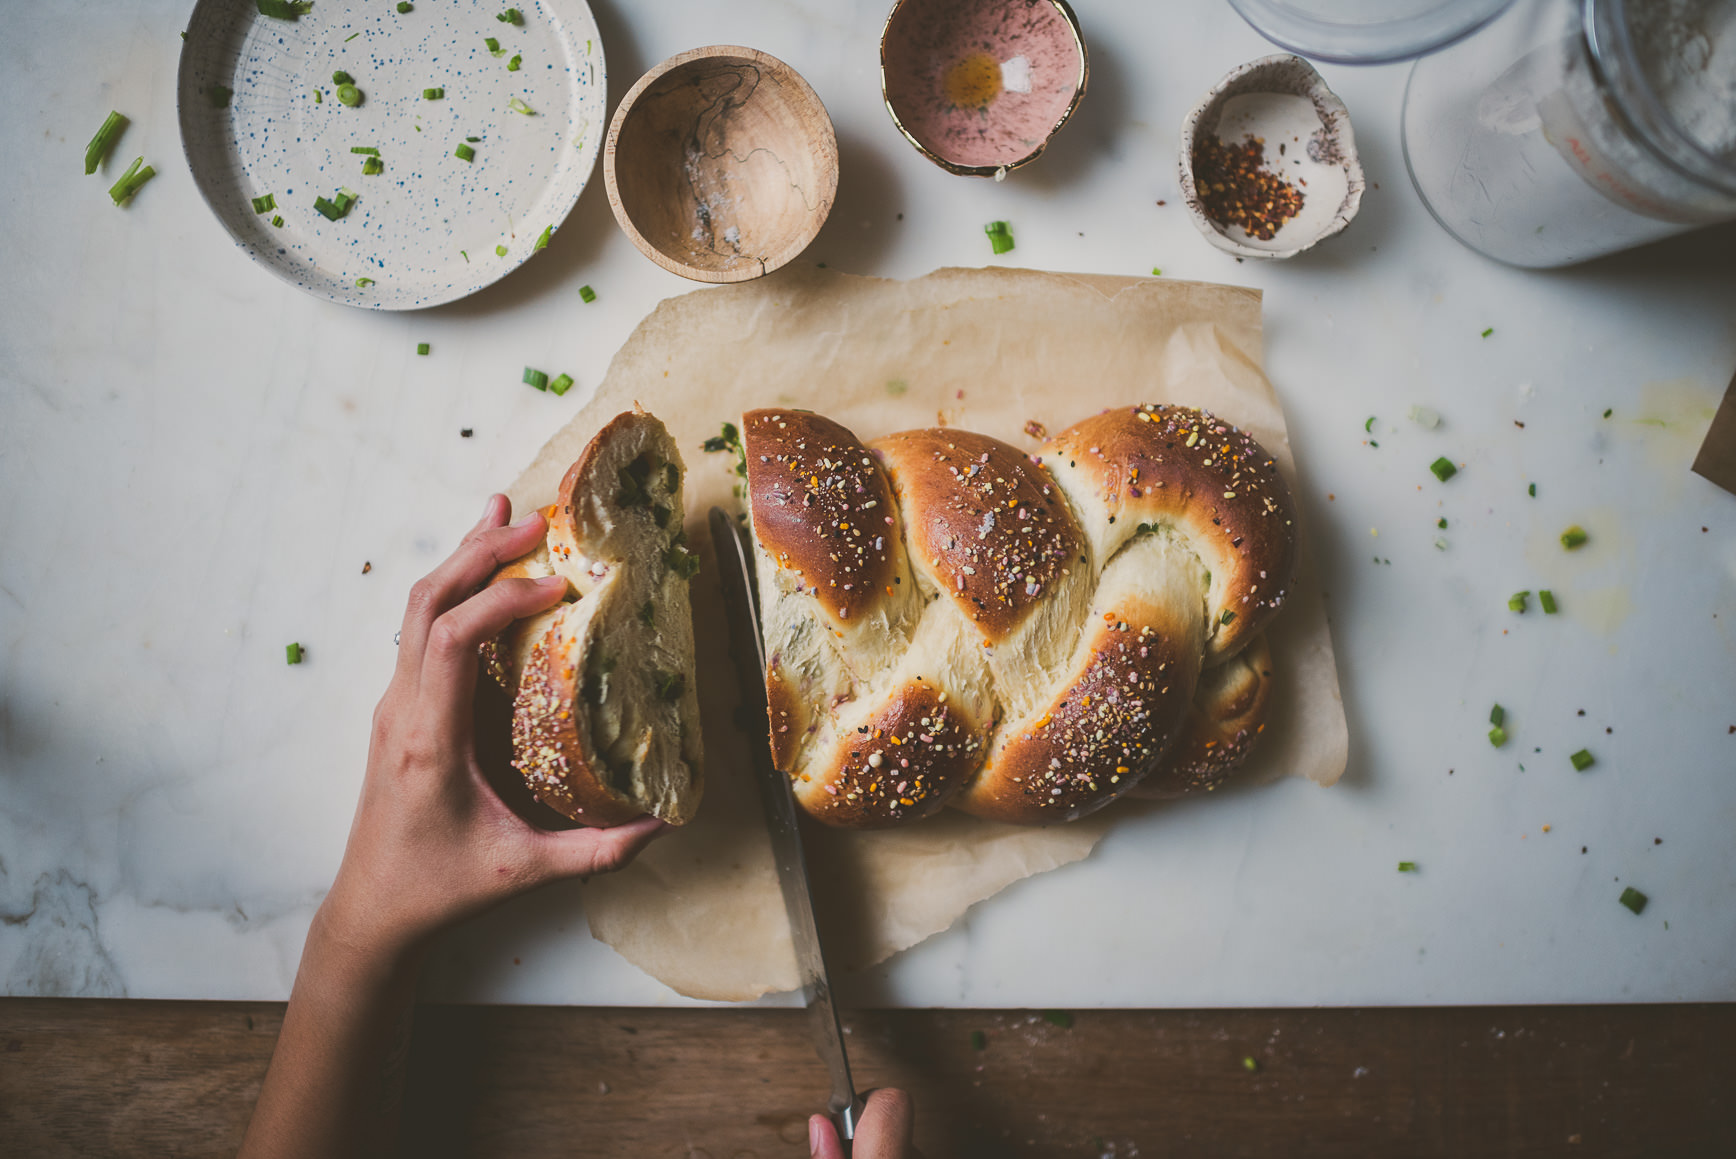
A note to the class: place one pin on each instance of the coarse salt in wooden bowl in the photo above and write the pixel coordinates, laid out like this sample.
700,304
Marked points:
979,86
721,164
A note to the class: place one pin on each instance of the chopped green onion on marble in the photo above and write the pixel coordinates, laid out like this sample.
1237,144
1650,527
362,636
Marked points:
131,181
98,149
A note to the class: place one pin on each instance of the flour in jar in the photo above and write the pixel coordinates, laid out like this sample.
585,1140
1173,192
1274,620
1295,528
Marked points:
1687,51
1530,151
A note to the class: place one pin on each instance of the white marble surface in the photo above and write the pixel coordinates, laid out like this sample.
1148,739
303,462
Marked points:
196,460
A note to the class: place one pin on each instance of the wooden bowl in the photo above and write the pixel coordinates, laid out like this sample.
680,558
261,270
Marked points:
721,164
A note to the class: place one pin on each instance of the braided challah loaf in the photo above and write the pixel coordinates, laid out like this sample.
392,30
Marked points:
949,620
605,716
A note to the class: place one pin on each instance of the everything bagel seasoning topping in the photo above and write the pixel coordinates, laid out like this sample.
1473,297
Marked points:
1100,737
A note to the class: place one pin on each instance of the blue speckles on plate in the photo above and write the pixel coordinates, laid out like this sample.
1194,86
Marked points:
410,225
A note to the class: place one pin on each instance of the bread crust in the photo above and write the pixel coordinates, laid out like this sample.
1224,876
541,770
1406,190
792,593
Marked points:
1182,468
904,764
617,540
1041,623
1106,729
1226,718
822,509
504,657
551,739
984,522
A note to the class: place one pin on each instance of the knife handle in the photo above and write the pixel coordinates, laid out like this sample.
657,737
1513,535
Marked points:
847,1119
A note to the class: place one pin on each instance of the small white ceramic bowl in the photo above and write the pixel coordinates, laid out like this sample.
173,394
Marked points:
1306,135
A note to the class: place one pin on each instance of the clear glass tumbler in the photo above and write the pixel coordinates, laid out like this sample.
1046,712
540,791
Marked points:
1568,129
1366,31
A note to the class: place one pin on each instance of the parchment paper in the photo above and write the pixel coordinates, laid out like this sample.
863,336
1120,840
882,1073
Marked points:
988,350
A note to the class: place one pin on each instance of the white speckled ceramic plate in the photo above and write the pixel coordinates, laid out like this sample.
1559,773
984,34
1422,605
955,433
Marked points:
427,229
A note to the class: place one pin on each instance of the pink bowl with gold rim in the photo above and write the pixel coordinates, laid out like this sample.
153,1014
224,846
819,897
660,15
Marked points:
979,86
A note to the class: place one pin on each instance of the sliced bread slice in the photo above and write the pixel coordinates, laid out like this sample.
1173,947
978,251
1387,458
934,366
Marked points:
606,712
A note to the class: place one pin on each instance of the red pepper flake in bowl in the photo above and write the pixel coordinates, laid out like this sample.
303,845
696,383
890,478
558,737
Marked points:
1236,188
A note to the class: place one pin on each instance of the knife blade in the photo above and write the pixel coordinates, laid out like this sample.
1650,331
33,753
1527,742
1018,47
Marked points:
735,573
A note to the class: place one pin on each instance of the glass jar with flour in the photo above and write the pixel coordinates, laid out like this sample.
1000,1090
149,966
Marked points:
1569,129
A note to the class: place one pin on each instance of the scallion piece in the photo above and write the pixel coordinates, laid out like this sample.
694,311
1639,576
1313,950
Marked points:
433,94
1156,273
1369,425
978,1040
1532,490
464,152
1582,760
512,65
1064,1020
292,653
1248,1064
364,283
683,564
219,96
1497,716
318,97
265,204
1441,522
1516,601
278,220
341,77
330,210
499,251
1633,899
1488,332
728,440
473,140
1573,538
404,6
536,378
493,46
422,348
1443,468
367,149
98,149
519,106
561,384
1608,411
511,16
587,295
1000,236
1547,599
284,9
1497,736
1227,617
349,96
542,240
1407,867
372,167
136,175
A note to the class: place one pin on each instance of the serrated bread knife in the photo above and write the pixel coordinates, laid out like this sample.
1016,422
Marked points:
735,572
